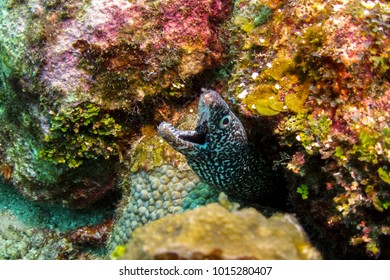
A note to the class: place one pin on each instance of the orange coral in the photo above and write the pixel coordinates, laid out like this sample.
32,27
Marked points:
6,172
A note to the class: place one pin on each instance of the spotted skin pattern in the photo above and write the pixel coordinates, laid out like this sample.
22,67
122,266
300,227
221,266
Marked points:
218,151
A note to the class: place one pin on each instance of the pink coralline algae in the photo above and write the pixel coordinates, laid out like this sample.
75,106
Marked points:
116,51
100,24
193,27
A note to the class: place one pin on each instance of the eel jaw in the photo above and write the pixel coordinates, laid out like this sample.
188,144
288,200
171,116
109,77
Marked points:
186,141
190,142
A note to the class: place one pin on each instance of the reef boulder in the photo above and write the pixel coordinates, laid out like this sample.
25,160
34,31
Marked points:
212,232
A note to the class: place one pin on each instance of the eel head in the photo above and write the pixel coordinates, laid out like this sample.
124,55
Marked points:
217,129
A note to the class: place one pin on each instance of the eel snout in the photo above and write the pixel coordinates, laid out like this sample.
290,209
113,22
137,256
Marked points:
182,140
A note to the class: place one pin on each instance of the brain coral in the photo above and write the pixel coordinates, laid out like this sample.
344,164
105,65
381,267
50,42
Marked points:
155,194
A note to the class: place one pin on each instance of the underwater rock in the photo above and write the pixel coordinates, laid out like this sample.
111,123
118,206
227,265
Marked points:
115,53
212,232
44,244
318,71
32,230
78,78
20,242
95,234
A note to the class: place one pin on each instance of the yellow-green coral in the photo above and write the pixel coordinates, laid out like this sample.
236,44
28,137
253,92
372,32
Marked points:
279,89
79,133
151,151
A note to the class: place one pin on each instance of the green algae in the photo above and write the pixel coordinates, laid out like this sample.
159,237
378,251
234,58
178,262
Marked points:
256,15
263,16
279,90
264,107
303,190
83,132
307,130
384,175
280,67
367,148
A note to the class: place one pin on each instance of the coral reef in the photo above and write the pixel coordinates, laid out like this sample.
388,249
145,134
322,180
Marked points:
79,78
54,217
135,49
319,72
212,232
20,242
83,84
26,119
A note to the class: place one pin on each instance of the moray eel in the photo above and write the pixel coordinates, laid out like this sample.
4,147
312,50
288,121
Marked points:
218,151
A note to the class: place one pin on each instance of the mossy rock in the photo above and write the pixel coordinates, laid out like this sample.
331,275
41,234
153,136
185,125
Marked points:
212,232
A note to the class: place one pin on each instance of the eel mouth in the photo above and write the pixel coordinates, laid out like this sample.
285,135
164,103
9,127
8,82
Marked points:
193,137
189,139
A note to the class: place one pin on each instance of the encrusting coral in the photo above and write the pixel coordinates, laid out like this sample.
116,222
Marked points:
212,232
319,71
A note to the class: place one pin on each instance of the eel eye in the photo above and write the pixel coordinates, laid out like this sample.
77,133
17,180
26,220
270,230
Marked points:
225,122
